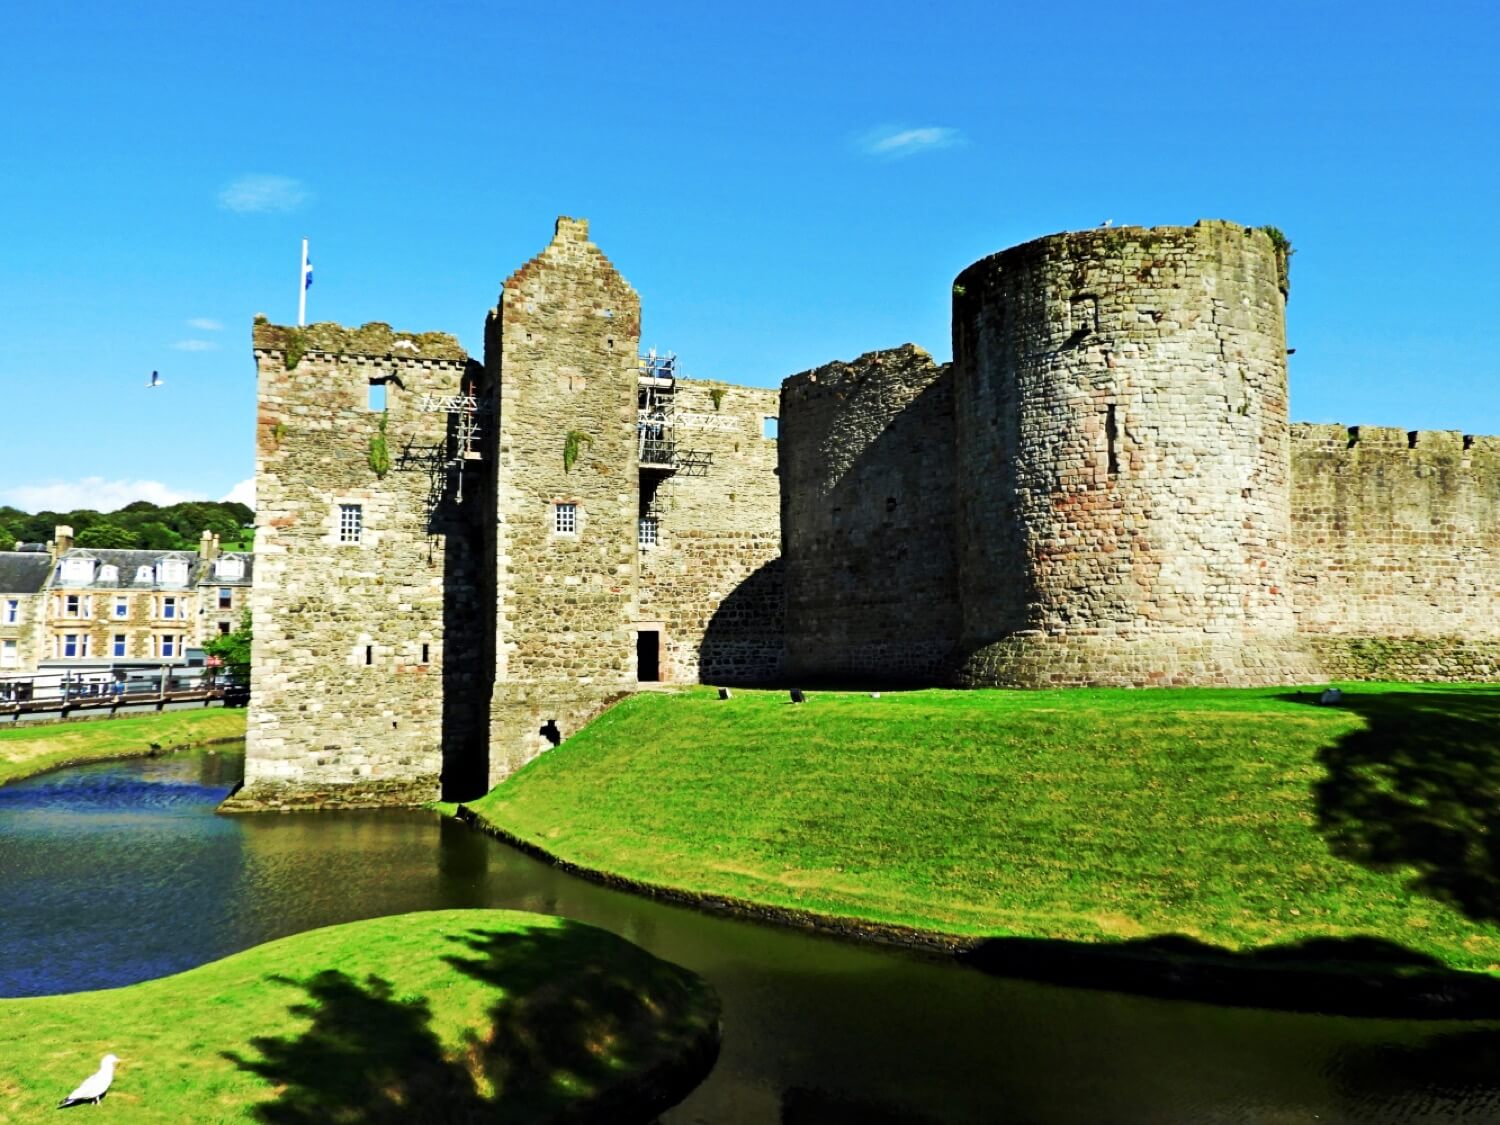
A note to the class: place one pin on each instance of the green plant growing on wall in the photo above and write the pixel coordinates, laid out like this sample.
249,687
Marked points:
1283,247
380,455
296,347
278,431
573,445
717,394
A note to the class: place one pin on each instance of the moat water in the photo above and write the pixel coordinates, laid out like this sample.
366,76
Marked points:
116,873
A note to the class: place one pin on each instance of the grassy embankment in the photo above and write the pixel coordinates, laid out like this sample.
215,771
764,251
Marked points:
28,749
458,1015
1243,819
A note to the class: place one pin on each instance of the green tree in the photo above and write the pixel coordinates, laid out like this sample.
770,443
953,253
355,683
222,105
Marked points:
234,650
157,536
106,535
8,537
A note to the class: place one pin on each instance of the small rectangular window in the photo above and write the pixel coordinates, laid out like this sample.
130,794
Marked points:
169,608
169,645
223,628
118,644
12,610
425,658
769,428
122,607
369,654
72,606
565,519
377,395
351,523
226,598
70,644
647,532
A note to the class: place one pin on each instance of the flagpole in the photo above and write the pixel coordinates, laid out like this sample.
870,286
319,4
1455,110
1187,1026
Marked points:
302,289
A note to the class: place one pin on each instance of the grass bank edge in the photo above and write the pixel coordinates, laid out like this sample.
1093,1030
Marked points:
27,750
263,1023
525,810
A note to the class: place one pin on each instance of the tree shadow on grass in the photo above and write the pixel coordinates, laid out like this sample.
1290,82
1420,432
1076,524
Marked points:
1418,791
579,1030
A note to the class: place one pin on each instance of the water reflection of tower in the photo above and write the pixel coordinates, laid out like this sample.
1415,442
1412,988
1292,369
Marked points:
463,864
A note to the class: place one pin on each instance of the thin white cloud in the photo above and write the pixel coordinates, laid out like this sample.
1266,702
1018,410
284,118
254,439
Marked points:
206,324
92,492
196,346
893,143
258,193
243,493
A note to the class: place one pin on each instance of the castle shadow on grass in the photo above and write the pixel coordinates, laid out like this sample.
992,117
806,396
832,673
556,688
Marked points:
567,1025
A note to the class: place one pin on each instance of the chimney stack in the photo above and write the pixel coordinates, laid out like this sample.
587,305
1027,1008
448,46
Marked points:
62,540
208,546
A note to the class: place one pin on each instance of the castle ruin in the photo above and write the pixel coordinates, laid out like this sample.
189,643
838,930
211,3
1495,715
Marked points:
460,562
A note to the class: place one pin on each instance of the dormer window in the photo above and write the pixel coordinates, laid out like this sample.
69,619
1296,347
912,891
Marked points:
228,567
109,575
171,572
77,572
143,575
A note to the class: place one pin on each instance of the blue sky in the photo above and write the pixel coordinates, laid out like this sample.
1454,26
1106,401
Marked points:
785,184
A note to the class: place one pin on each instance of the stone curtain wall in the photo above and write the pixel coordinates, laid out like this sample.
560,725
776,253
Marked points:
329,725
1397,551
713,583
1122,467
560,352
867,463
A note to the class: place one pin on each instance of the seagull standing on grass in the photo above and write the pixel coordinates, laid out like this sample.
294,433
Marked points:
92,1088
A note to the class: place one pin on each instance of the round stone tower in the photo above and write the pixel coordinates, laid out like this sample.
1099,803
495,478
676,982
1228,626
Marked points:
1123,461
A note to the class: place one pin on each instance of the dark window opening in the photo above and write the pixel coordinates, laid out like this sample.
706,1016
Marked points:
648,656
550,732
1111,435
223,628
369,654
425,659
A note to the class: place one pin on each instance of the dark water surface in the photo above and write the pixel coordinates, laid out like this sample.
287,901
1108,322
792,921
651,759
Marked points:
116,873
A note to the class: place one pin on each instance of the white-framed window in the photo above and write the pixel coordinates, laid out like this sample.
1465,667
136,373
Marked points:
168,646
228,567
80,571
351,523
75,605
74,644
169,609
172,572
144,576
565,519
12,611
117,644
647,532
226,597
109,575
122,606
10,656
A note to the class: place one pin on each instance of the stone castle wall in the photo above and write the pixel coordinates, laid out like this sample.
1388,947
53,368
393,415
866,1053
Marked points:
867,471
712,583
560,350
1123,509
1397,551
350,649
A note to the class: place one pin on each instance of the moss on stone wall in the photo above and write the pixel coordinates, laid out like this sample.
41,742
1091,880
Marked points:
375,339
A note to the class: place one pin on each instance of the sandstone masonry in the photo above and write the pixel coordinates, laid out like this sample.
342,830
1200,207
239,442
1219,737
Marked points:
459,563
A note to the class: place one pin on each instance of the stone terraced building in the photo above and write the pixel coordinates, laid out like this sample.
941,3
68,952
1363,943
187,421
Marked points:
461,561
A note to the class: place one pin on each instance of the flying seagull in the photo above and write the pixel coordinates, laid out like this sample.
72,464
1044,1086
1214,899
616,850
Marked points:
155,380
92,1088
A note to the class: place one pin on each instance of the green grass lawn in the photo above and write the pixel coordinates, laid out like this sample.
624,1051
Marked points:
456,1015
1240,818
27,749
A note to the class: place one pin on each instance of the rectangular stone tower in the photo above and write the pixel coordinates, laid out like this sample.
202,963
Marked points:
560,352
368,569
